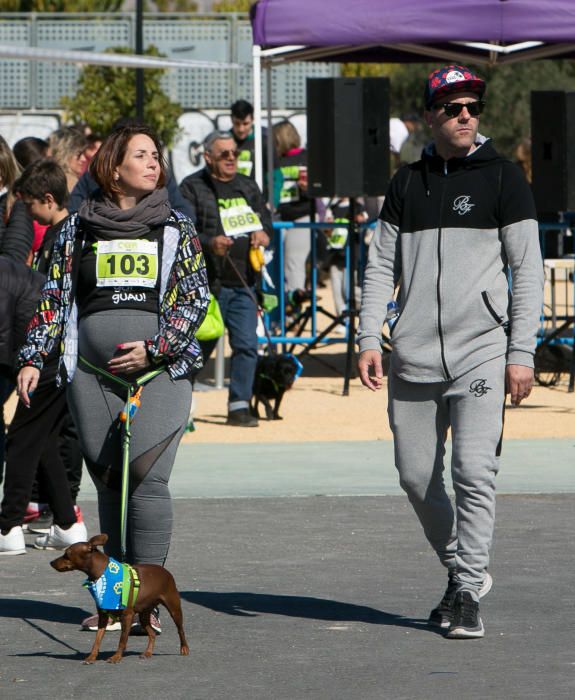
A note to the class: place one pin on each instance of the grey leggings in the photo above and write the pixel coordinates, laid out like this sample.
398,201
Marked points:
95,403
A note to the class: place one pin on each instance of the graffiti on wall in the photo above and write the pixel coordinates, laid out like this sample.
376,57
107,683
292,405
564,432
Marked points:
185,157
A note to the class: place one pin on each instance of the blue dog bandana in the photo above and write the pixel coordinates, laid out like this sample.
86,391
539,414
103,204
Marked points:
112,589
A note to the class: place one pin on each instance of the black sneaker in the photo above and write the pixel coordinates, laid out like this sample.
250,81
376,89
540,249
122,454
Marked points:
442,615
242,418
466,621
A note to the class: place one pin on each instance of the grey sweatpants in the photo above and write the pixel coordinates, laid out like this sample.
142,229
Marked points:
420,416
95,403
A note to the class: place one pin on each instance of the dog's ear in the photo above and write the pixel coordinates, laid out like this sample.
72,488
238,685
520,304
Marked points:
98,540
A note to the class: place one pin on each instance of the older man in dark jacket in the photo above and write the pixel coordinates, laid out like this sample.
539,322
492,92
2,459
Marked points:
232,217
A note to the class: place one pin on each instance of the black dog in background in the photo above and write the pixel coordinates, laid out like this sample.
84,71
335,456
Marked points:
275,374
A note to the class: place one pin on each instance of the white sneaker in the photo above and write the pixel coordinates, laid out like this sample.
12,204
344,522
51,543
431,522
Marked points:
58,538
12,542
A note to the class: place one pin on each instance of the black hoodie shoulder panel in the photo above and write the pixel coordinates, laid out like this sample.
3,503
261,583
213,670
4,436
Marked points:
482,191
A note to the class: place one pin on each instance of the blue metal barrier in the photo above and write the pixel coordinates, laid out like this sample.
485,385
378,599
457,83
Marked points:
283,331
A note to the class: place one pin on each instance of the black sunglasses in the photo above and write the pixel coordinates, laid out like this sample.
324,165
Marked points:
454,109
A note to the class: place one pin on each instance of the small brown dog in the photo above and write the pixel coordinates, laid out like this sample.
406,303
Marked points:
156,585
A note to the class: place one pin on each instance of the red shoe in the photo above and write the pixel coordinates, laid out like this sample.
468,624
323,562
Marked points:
40,524
79,516
34,510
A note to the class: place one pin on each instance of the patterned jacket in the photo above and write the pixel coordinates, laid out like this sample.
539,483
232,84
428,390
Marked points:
184,299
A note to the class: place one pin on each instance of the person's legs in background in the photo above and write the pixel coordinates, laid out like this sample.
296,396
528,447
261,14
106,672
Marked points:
239,312
297,247
33,436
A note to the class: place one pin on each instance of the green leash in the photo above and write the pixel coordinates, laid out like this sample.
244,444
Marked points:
131,406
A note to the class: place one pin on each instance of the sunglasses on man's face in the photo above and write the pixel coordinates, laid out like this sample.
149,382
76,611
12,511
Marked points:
454,109
227,154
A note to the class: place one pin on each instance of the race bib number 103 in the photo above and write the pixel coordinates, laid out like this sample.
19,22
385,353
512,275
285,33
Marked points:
127,263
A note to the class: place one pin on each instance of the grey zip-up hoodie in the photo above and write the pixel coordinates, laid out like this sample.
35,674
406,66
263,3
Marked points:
449,234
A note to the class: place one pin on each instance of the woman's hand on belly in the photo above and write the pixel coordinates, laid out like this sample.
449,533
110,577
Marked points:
133,359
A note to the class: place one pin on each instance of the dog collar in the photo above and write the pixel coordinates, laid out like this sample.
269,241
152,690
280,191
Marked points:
117,588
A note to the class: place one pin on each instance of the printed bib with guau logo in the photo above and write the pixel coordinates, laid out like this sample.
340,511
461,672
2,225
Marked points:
237,217
126,263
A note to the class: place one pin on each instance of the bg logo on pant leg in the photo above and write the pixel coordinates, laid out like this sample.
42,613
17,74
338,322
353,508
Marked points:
478,388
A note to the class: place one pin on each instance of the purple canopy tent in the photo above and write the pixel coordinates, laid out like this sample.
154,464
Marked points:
477,31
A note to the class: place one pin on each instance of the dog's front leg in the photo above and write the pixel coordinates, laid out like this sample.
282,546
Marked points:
127,618
102,624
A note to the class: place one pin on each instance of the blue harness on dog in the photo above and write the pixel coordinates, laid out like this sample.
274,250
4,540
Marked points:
117,588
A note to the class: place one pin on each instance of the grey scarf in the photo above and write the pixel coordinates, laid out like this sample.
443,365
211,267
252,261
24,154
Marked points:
107,221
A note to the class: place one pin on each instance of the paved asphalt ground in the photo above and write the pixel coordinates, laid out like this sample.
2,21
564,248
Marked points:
304,575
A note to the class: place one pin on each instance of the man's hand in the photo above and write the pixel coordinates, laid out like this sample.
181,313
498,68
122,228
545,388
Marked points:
518,382
258,238
26,384
220,244
371,369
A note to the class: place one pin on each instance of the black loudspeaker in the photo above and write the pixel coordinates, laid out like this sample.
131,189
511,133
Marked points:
347,136
553,150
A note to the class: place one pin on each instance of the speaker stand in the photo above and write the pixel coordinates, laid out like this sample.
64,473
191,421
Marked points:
350,313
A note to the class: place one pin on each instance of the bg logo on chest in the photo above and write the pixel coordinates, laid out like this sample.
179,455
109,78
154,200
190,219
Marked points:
462,204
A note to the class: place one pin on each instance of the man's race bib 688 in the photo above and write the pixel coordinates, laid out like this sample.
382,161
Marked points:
239,220
127,263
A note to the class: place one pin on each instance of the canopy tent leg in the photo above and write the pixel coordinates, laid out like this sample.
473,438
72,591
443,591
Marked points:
257,86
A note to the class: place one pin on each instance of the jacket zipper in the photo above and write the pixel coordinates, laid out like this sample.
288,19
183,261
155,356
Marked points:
439,327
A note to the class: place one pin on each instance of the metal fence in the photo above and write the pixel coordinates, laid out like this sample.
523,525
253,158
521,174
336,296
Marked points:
40,85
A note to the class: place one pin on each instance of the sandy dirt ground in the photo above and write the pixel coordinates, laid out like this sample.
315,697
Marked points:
315,410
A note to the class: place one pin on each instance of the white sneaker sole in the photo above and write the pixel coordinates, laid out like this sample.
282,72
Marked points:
51,547
114,627
12,552
38,530
462,633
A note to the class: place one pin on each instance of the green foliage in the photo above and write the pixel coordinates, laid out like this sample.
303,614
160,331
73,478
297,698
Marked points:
176,5
61,5
233,5
507,116
366,70
107,93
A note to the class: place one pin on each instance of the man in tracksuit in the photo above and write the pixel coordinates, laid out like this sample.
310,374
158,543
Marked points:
453,225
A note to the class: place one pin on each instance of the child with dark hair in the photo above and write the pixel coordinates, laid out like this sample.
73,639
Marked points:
30,149
27,151
32,443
